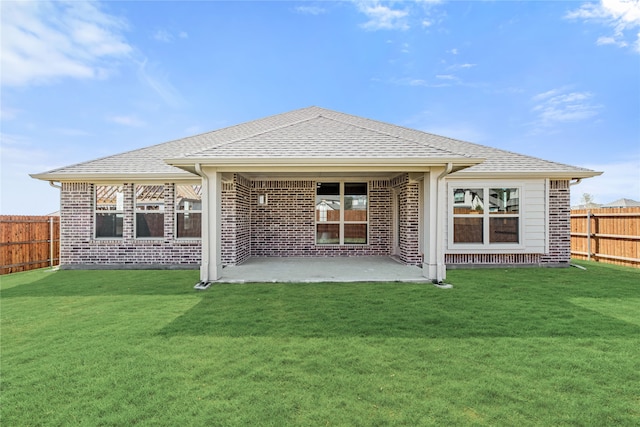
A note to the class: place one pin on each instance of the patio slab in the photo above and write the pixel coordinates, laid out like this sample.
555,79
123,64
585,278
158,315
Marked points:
329,269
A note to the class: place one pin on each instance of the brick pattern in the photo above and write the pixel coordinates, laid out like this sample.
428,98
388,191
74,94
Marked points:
491,259
559,224
78,246
236,225
409,193
285,226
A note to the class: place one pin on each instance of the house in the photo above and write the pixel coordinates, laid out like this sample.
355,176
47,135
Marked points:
315,183
622,203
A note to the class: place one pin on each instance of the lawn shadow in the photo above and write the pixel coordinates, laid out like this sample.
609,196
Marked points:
106,282
387,310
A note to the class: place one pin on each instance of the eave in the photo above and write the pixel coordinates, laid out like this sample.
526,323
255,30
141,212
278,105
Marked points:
410,164
114,177
579,174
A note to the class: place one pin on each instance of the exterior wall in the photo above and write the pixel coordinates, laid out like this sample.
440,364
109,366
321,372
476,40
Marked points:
236,221
409,218
545,231
559,224
79,248
285,226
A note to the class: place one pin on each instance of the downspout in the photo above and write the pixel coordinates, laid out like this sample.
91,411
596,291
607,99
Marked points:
58,186
440,266
204,266
576,182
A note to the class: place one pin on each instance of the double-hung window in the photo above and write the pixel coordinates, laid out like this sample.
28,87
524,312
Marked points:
149,209
188,211
109,211
341,213
486,215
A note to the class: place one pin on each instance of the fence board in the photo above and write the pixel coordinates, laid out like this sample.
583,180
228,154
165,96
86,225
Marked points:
609,235
26,242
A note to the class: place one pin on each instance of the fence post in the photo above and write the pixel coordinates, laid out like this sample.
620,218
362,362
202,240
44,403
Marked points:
51,241
589,234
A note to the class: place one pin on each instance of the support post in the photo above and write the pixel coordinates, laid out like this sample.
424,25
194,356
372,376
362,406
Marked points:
211,267
429,229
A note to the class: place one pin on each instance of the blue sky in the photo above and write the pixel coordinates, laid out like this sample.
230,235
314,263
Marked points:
557,80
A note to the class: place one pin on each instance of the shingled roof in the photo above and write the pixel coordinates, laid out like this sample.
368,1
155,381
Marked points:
315,135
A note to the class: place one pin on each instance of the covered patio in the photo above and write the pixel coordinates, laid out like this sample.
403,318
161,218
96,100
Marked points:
322,269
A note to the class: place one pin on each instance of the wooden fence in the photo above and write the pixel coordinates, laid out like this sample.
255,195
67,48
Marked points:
609,235
28,242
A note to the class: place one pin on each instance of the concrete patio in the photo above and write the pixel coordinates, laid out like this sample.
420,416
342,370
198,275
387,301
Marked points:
329,269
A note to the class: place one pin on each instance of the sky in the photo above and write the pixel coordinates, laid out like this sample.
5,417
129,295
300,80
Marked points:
558,80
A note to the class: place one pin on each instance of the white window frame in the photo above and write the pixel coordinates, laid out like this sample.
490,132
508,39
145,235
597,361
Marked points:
186,211
486,216
118,211
341,222
136,211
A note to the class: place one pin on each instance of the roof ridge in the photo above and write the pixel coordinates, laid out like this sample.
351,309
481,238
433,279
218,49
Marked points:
259,133
422,143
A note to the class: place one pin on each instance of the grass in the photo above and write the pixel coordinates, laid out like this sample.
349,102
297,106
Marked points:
522,347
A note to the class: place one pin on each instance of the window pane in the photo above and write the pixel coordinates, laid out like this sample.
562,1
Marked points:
504,201
327,234
109,198
109,205
188,224
355,234
504,230
355,201
468,200
467,230
188,197
109,224
328,201
150,211
149,225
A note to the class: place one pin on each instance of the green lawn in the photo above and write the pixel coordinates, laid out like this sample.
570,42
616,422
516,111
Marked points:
513,347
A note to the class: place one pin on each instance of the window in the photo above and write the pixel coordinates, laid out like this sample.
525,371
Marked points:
341,213
188,211
486,215
109,210
149,211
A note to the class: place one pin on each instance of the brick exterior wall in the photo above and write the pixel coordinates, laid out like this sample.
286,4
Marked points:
236,223
79,248
285,226
409,193
559,224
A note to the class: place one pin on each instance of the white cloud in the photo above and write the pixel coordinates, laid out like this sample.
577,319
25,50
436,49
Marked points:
310,10
560,105
621,16
8,113
165,36
127,121
383,17
45,40
159,82
620,179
